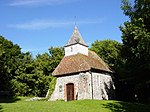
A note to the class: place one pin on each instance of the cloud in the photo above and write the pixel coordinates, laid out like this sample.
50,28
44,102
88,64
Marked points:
39,2
40,24
45,24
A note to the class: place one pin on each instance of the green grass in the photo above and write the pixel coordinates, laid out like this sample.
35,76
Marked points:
20,105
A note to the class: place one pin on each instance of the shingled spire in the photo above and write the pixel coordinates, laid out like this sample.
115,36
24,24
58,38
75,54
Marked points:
76,38
76,44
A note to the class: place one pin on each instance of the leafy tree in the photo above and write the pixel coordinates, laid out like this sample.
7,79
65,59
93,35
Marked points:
24,80
9,53
21,74
109,51
32,78
56,55
46,63
140,9
34,75
136,48
43,69
42,62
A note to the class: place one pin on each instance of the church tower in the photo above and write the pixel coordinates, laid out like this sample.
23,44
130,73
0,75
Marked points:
76,44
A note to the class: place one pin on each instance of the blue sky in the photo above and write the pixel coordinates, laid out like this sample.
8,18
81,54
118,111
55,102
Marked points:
35,25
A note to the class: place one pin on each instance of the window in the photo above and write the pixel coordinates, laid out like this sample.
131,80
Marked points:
60,88
71,49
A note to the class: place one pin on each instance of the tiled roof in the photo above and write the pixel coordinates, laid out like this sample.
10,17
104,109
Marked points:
80,63
76,38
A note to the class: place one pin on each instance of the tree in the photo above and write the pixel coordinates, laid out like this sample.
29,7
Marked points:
21,74
42,62
24,80
56,55
9,53
139,10
109,51
136,48
46,64
43,69
33,75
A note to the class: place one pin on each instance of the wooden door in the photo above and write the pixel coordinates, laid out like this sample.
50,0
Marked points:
70,91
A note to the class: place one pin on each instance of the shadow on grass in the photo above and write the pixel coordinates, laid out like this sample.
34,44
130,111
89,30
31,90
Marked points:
9,100
1,108
127,107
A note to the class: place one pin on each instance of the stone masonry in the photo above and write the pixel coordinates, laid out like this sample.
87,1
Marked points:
87,86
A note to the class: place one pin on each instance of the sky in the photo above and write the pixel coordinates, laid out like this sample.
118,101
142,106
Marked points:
36,25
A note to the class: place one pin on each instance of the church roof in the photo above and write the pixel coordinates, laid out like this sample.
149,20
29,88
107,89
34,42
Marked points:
76,38
80,63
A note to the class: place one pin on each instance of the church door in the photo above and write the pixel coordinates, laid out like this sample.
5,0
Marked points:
70,91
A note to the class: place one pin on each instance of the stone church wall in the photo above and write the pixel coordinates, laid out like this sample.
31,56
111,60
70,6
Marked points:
59,92
82,86
86,86
103,86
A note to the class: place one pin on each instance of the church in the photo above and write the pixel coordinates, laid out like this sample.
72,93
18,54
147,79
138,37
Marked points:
82,74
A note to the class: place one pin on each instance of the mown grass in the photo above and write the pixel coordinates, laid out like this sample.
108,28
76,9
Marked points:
20,105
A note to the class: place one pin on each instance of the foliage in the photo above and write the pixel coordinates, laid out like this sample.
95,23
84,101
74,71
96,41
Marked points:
42,63
109,51
56,55
9,53
136,48
73,106
21,74
43,70
51,87
23,81
140,9
34,75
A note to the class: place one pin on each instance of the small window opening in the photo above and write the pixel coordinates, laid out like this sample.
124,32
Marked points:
71,49
60,88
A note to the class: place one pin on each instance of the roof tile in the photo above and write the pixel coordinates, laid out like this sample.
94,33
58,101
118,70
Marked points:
79,63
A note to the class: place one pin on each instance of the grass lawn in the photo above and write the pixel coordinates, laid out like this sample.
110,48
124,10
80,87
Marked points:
20,105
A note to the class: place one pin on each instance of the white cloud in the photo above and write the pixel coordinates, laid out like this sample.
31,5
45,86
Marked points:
44,24
38,2
40,24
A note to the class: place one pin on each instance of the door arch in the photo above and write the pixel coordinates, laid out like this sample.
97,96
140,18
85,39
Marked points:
70,91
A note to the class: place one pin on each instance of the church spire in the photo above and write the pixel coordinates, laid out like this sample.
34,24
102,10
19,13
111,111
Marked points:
76,44
76,38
